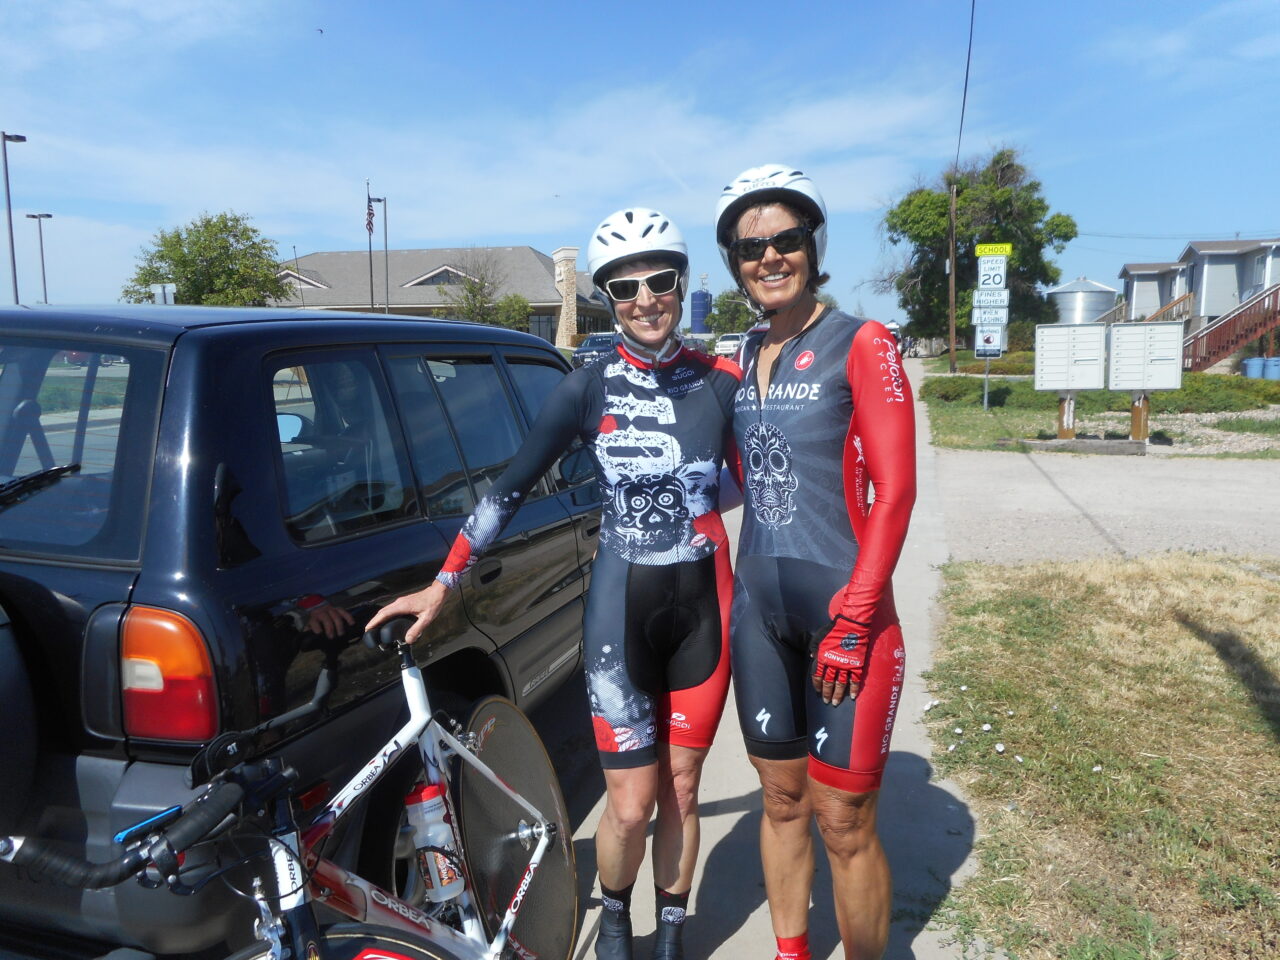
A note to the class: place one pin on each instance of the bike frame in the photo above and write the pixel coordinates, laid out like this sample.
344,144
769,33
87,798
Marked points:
294,850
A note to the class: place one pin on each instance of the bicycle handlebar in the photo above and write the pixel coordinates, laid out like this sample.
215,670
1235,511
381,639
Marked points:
198,819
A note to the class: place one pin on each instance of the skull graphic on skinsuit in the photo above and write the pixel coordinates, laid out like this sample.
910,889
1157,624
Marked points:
769,477
651,510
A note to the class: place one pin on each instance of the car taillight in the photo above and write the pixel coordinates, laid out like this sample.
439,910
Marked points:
166,677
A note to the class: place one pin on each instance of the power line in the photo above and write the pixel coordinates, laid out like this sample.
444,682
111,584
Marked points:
964,99
1198,235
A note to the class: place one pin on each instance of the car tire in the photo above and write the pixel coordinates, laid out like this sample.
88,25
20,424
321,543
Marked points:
18,745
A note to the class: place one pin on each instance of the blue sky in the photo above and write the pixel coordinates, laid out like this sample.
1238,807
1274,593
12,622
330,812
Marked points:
515,123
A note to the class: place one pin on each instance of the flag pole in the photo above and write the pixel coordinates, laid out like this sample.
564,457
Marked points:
368,226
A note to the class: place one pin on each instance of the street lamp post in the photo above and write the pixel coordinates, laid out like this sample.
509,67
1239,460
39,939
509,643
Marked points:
39,218
386,271
5,140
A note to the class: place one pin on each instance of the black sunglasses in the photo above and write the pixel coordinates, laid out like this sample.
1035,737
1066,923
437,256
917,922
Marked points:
626,289
785,241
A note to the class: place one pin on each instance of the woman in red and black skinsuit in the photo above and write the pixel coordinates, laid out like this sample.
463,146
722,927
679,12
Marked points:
824,414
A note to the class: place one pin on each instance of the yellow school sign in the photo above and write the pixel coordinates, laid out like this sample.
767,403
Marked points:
993,250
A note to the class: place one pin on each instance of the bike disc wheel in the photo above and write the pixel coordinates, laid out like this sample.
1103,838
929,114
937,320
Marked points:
490,823
361,941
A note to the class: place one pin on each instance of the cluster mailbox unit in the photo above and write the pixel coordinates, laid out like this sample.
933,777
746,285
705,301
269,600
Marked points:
1143,357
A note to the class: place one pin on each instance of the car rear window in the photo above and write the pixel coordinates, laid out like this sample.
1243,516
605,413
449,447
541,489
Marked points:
77,437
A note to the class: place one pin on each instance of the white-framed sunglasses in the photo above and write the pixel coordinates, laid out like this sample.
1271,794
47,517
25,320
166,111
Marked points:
659,283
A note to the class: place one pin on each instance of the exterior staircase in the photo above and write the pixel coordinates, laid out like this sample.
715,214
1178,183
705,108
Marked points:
1258,315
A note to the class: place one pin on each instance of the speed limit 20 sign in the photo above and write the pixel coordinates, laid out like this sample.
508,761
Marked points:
991,272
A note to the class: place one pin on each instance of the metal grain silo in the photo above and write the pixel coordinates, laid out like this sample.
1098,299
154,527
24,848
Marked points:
1081,300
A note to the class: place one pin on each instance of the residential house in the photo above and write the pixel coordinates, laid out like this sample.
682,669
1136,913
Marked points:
1221,275
1225,292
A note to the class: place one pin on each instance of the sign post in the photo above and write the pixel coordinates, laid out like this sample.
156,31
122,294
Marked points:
990,314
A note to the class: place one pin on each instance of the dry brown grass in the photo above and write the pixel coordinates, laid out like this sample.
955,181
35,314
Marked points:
1164,672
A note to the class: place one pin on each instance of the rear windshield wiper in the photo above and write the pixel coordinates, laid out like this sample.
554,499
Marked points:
20,488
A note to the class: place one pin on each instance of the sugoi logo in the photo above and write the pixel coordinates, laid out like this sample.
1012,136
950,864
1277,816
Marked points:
805,360
763,716
680,721
698,540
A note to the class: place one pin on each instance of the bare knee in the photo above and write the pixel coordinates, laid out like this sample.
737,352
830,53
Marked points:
847,821
784,788
682,774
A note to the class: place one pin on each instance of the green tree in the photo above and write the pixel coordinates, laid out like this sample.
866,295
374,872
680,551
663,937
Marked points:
730,313
475,296
996,202
219,260
512,312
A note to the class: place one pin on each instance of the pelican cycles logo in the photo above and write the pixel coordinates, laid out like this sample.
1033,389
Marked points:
892,369
805,360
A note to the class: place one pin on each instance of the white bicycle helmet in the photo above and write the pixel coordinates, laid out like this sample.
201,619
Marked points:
763,184
635,233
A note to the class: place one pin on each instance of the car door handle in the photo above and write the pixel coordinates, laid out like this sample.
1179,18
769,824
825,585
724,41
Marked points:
487,571
590,530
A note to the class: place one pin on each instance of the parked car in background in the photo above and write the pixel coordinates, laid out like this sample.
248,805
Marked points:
190,542
729,343
595,345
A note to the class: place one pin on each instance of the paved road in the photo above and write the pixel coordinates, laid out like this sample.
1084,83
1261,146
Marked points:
995,507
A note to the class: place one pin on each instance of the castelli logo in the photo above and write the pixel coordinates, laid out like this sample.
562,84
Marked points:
805,360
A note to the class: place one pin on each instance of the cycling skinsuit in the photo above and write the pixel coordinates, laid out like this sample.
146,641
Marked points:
656,633
838,420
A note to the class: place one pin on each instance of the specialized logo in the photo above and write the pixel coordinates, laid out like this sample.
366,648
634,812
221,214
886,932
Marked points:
769,478
821,737
805,360
764,716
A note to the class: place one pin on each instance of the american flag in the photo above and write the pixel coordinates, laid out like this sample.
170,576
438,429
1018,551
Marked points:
368,218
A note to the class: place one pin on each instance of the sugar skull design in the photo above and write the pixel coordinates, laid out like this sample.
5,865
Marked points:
651,511
770,481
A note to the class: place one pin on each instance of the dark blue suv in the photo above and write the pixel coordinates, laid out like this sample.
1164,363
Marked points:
191,533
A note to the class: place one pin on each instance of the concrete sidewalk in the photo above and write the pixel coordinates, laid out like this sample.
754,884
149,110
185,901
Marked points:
924,823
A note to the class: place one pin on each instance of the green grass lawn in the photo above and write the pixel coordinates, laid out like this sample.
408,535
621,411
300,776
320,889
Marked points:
1131,813
1017,411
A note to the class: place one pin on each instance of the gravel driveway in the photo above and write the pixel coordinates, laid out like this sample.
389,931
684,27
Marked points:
1021,507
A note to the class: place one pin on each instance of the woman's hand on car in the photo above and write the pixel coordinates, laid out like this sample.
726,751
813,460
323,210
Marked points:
424,606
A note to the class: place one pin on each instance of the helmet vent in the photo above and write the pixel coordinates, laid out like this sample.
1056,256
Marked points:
645,231
615,233
630,215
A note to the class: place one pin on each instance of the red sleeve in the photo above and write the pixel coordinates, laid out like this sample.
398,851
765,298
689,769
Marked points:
880,448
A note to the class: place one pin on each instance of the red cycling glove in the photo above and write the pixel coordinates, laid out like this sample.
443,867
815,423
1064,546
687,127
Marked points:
840,655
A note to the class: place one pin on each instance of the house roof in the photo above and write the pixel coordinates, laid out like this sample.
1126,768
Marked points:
1227,246
1135,269
341,278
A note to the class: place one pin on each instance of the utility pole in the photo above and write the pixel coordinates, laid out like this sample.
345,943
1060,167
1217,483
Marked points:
951,277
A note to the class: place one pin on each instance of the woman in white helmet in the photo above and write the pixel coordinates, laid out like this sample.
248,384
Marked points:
823,414
656,418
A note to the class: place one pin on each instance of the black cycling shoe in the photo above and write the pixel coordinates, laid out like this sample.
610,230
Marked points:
613,942
667,944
